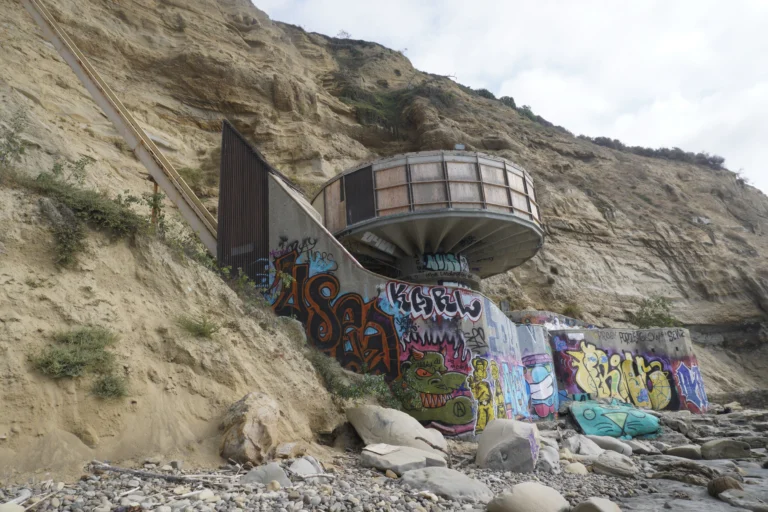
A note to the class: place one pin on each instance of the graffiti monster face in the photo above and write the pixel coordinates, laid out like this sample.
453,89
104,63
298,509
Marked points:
426,373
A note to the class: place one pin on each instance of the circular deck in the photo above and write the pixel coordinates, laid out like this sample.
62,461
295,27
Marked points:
435,215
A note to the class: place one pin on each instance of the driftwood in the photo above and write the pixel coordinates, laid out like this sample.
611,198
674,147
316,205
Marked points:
447,453
100,466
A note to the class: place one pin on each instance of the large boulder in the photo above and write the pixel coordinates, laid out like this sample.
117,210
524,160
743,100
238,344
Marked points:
742,499
615,464
447,483
377,425
611,443
725,449
508,445
249,429
529,496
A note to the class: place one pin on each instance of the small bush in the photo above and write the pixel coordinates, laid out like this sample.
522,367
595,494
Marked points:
508,101
352,386
202,328
485,93
70,241
654,312
573,310
645,198
109,386
76,353
12,147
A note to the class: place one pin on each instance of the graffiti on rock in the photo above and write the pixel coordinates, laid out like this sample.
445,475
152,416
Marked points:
358,333
425,301
616,419
690,386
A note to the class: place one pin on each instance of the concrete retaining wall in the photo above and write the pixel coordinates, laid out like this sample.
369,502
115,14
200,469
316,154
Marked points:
465,361
652,368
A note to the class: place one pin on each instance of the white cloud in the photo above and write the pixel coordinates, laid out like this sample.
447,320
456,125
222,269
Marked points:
689,73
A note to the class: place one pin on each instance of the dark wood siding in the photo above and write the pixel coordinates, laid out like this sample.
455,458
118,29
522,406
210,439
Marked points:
358,193
243,236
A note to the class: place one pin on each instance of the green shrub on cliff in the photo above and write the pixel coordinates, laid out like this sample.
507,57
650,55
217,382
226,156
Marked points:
654,312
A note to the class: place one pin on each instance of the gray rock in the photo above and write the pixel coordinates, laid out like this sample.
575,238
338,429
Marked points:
582,445
743,499
596,505
436,437
549,460
725,449
688,451
447,483
508,445
613,463
576,468
401,460
305,467
611,443
11,507
376,424
529,496
266,473
641,447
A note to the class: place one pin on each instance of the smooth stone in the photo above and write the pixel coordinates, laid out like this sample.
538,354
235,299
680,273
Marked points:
612,463
725,449
376,425
576,468
549,460
11,507
399,461
528,497
582,445
267,473
743,499
447,483
641,447
596,505
688,451
305,467
611,443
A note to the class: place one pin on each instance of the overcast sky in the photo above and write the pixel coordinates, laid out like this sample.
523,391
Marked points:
692,74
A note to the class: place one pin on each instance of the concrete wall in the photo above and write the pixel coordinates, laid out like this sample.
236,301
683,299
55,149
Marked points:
653,368
465,360
550,320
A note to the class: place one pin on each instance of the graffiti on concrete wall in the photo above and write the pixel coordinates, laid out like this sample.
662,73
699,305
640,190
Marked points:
443,262
690,386
643,380
425,301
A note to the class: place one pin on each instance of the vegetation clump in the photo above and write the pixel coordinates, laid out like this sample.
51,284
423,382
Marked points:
654,312
350,386
202,327
573,310
703,158
110,386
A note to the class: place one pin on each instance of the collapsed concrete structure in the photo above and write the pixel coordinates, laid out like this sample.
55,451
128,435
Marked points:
468,362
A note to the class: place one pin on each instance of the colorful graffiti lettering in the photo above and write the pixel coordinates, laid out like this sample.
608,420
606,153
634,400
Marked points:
358,333
425,301
621,376
691,386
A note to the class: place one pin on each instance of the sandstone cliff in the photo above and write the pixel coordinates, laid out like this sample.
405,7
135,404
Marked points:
620,226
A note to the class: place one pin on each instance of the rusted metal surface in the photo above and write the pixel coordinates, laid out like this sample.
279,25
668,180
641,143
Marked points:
243,241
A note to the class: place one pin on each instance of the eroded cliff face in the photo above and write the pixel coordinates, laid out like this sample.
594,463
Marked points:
620,227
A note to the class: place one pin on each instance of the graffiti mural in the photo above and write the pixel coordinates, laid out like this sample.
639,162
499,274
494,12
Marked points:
542,387
644,380
481,390
358,333
616,419
444,262
691,386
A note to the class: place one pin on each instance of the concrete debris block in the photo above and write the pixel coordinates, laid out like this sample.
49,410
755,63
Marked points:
267,473
745,500
611,443
250,428
448,483
596,505
529,496
616,464
508,445
376,425
725,449
576,468
688,451
722,484
399,460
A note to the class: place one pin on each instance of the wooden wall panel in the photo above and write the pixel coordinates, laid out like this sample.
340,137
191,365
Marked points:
427,172
335,208
462,170
492,175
